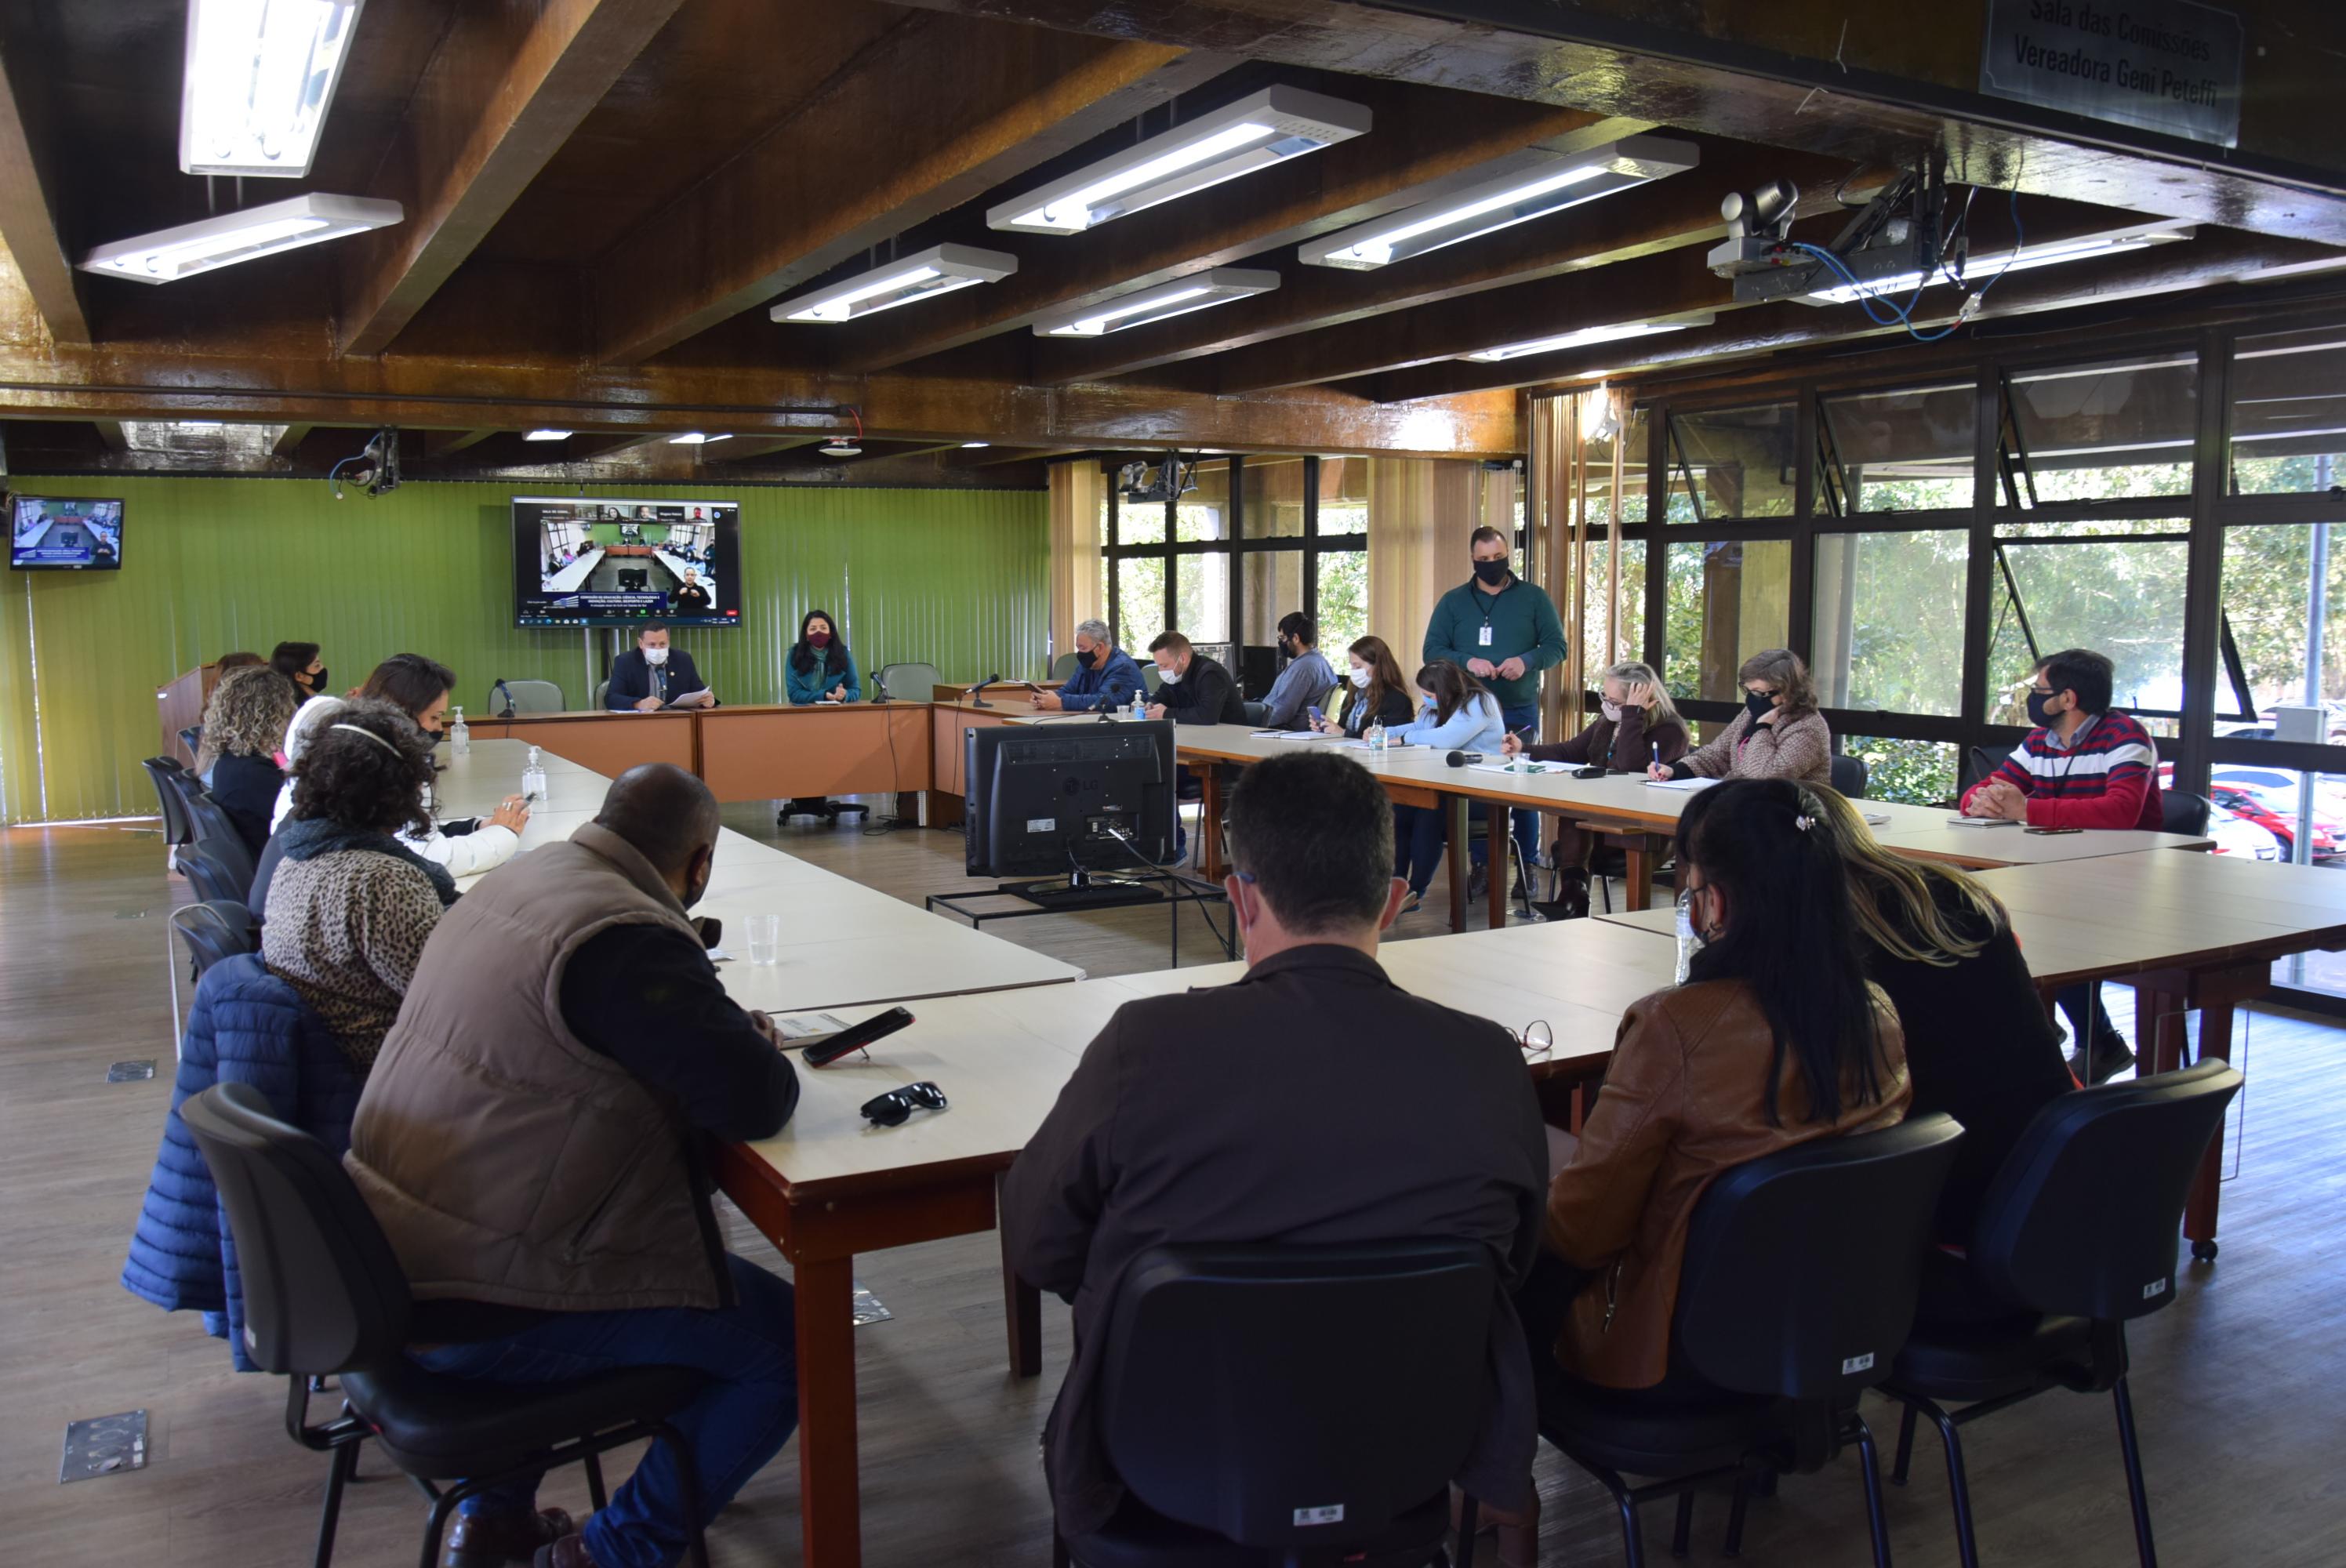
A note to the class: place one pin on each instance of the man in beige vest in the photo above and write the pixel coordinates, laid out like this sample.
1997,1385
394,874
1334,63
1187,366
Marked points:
531,1139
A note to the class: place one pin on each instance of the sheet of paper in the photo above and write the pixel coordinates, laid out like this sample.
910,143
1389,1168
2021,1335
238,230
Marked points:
799,1027
1289,735
1686,786
1519,768
1980,822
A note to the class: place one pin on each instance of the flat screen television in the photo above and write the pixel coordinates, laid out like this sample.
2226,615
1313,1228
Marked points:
1042,798
64,533
579,563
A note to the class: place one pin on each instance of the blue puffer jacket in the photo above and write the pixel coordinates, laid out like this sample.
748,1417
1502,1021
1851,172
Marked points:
245,1026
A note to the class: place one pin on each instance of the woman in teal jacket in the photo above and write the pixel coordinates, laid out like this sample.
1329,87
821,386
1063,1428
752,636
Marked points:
820,669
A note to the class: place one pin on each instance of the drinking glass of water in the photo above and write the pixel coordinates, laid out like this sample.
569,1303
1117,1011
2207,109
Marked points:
765,939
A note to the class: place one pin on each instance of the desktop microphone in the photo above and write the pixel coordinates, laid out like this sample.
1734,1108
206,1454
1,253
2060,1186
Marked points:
1460,759
974,693
508,713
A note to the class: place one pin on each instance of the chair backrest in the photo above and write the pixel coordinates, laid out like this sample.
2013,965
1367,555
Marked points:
218,870
2081,1218
1257,713
1849,777
207,819
528,697
1979,762
1245,1389
166,774
1836,1228
1064,667
322,1290
213,931
908,682
2181,813
1332,701
602,692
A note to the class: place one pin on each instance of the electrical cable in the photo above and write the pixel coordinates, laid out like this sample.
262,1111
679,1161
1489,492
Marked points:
1120,836
1903,316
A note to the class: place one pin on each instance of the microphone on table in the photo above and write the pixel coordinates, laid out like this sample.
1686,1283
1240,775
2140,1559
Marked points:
501,687
1460,759
974,693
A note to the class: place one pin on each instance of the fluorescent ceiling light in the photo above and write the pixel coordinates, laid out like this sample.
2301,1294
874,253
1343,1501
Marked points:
1195,292
940,269
1534,184
200,423
548,435
694,438
967,445
1258,130
260,76
192,247
1983,268
1585,336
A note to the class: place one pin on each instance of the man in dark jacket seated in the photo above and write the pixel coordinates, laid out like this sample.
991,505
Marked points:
1149,1144
651,676
531,1139
1105,678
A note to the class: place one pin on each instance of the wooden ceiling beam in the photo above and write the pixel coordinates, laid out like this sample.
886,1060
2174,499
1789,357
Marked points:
1421,135
505,91
110,435
933,113
290,439
28,226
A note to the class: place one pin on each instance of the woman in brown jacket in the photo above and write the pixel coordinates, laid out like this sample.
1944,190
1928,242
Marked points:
1780,734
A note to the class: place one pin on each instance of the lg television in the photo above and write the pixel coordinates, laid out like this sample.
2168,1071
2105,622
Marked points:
52,534
598,563
1068,799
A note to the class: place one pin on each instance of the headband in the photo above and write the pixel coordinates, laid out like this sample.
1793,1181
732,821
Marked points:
371,735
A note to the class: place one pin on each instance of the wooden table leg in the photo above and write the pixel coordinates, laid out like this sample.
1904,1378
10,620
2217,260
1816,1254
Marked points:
1455,808
2200,1209
1022,1309
1637,851
1501,862
831,1519
1210,820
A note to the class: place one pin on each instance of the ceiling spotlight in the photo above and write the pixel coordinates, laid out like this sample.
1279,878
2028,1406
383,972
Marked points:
844,445
1533,184
1197,291
548,435
1258,130
169,254
1587,335
260,76
940,269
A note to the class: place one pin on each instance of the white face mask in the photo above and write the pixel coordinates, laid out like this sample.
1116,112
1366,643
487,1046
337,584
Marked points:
1609,708
1360,677
1169,677
655,655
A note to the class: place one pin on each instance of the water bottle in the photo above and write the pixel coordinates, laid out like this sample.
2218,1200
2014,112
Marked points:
1689,943
1140,706
1376,736
460,737
533,779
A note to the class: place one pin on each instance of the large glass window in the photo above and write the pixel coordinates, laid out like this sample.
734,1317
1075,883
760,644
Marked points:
1343,616
1203,512
2289,413
1201,597
2285,610
2122,598
1904,451
1733,463
1343,495
2122,429
1727,600
1889,620
1918,772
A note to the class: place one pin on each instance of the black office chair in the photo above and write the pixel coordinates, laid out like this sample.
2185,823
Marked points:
212,870
1836,1227
2077,1233
1243,1386
212,932
1978,763
192,738
323,1295
166,774
1849,777
206,820
2181,813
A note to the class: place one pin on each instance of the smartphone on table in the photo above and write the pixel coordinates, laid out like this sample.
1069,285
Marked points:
824,1052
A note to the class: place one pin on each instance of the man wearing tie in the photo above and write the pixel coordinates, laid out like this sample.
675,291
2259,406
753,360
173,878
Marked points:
651,676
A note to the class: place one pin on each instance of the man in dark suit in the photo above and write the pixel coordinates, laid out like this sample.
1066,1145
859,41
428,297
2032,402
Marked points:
1313,1102
1194,690
651,674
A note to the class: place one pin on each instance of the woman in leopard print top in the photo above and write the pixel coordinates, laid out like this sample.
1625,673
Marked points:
350,906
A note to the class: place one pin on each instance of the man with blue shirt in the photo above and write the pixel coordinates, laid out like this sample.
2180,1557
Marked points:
1306,679
1105,675
1504,631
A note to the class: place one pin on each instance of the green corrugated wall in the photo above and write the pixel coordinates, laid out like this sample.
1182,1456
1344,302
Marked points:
955,578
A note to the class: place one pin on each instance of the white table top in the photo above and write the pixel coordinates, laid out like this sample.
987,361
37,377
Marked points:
843,943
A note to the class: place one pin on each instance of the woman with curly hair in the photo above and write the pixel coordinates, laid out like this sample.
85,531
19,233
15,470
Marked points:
243,725
349,905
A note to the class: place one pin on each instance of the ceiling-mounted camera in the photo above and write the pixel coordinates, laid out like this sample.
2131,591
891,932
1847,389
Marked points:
1142,483
374,470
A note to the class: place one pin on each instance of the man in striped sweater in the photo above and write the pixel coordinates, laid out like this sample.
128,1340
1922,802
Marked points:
2084,766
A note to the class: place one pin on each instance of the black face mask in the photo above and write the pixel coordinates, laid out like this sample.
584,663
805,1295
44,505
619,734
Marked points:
2037,713
1491,572
1760,704
1088,657
1285,650
435,736
317,682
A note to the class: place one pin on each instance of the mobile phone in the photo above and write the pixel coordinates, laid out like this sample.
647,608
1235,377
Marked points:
1317,716
824,1052
1597,772
2053,832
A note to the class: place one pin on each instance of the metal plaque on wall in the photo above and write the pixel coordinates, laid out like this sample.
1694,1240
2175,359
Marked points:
2166,65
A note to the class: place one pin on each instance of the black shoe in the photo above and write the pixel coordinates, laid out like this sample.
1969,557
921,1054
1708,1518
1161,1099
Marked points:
491,1538
1478,883
2110,1057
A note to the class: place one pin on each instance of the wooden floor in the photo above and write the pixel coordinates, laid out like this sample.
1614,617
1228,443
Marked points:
2236,1385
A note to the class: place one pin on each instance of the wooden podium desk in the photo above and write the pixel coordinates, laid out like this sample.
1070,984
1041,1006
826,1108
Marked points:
607,743
756,752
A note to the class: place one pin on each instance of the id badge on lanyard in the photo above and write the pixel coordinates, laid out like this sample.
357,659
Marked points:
1484,640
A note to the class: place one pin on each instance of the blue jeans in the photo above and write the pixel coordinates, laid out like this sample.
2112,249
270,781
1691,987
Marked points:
741,1420
1522,825
1419,834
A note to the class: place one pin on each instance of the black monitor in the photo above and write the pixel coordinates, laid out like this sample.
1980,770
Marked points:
608,562
1042,799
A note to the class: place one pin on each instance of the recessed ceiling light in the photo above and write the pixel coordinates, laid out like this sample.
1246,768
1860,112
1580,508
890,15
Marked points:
1586,335
169,254
1536,182
968,445
1257,131
260,76
1197,291
548,435
940,269
200,423
694,438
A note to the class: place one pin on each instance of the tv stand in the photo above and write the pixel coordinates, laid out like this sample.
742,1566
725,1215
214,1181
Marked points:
1082,891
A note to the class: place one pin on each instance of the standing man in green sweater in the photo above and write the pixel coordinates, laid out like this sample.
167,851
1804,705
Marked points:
1504,631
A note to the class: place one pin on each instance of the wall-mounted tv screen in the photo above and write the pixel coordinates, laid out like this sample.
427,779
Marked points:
621,562
50,534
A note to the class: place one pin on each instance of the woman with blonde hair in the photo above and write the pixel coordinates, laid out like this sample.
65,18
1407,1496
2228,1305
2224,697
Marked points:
1980,1044
243,725
1636,727
1780,734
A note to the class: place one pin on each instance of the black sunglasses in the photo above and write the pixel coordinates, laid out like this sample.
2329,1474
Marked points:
894,1108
